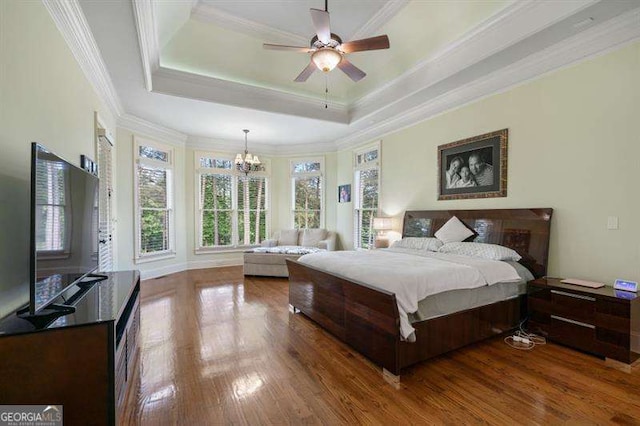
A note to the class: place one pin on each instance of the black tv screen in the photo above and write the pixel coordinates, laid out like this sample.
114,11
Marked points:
64,226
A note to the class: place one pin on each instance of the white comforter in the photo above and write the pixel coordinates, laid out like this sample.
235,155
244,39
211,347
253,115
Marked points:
411,274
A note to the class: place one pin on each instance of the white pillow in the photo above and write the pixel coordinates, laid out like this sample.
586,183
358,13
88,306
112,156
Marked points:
311,237
485,251
417,243
453,231
288,237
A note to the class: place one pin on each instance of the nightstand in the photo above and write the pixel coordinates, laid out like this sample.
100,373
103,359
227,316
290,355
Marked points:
602,321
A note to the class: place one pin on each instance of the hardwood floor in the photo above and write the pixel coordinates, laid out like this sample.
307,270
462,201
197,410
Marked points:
217,348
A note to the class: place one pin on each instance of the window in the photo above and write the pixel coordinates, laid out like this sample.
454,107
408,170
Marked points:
53,207
307,193
232,209
154,199
366,195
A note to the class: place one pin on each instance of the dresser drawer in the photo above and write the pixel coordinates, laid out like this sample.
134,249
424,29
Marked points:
573,306
573,333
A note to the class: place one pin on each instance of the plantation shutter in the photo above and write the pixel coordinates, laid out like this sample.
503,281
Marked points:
252,209
105,225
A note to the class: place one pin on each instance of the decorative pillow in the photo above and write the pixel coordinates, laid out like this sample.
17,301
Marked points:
485,251
416,243
311,237
288,237
453,231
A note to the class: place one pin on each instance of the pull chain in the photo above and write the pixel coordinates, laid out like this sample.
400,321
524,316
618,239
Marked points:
326,92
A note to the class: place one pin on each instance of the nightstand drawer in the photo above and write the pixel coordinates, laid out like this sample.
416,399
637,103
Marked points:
573,333
574,306
596,320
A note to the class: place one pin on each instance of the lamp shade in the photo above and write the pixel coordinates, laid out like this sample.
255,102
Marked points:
326,59
382,223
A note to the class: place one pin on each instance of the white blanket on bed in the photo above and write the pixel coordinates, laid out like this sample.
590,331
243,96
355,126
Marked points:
411,274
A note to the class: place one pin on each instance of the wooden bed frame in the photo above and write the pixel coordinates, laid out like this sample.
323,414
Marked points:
367,319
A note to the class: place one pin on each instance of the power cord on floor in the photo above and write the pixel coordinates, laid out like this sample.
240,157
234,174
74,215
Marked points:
523,340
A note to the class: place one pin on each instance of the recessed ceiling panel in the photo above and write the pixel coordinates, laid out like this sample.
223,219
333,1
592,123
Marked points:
347,16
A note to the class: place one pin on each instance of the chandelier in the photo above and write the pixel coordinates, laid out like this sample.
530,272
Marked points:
248,163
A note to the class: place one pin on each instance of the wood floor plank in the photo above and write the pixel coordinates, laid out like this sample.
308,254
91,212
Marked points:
220,348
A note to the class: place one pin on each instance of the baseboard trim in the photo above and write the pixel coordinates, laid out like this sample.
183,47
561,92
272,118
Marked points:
204,264
146,274
187,266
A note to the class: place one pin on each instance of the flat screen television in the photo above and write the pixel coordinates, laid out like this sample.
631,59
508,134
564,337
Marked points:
64,226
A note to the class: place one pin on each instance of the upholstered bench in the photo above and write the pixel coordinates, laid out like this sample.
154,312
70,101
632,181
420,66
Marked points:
271,261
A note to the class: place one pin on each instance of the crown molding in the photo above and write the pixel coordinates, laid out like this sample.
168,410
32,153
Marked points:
599,40
147,29
72,24
207,13
146,128
268,150
377,21
512,24
188,85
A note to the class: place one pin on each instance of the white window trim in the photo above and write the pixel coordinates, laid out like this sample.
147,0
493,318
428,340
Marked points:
170,252
293,175
365,166
199,171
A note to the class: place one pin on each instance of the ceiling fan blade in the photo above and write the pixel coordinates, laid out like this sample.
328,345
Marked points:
354,73
373,43
289,48
320,20
306,73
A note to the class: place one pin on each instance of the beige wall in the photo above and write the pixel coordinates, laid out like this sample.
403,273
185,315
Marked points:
44,97
125,213
574,145
344,211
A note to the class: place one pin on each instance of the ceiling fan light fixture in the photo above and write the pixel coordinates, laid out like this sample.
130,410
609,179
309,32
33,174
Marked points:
326,58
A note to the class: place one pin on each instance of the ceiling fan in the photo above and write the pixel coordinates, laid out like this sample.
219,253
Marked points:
328,51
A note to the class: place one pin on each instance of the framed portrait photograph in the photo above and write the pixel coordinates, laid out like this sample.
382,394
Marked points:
474,167
344,193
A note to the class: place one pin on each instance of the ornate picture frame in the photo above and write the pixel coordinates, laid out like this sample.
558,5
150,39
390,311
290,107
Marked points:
475,167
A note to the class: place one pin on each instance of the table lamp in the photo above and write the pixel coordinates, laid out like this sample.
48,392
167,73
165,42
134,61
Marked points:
382,225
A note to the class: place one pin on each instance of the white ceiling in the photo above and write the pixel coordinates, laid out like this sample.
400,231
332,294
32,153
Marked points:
468,53
347,16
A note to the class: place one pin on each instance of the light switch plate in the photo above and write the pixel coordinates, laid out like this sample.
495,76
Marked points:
612,222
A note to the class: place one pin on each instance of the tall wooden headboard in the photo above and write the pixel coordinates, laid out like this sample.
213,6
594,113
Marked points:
524,230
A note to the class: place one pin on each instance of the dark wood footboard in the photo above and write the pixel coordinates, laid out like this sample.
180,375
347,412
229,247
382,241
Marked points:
365,318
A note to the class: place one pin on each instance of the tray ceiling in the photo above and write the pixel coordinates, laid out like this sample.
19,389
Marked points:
209,76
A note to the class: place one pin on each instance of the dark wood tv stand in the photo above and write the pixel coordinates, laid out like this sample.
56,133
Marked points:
84,360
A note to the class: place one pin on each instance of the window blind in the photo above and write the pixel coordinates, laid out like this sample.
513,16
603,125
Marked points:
52,206
154,209
367,193
233,206
105,169
252,209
